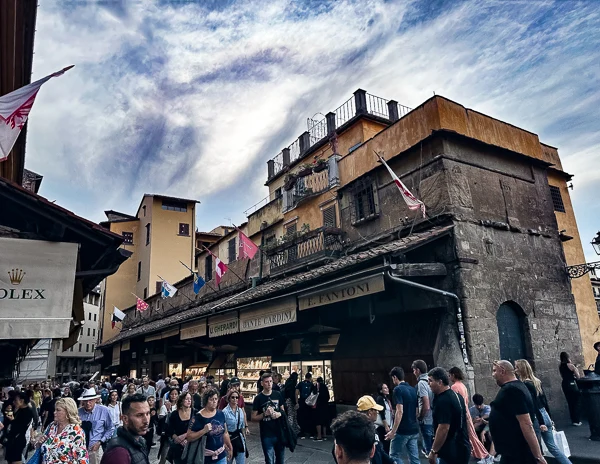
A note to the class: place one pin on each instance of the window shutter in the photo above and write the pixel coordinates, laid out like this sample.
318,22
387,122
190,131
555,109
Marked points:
557,200
158,286
329,219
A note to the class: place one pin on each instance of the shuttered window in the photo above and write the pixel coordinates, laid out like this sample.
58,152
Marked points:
231,250
208,268
557,200
329,219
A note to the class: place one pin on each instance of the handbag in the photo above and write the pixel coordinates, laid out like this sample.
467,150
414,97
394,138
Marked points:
560,440
311,400
36,457
237,442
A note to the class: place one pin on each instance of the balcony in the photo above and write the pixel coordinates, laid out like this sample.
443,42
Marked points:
309,248
311,185
321,129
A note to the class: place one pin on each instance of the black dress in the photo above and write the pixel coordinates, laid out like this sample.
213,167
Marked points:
571,391
177,426
321,412
17,434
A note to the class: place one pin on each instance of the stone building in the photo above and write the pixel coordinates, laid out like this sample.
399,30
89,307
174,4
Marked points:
351,282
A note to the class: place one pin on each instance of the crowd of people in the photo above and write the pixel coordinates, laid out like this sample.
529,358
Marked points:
193,421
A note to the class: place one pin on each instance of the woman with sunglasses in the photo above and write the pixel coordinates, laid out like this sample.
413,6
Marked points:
236,426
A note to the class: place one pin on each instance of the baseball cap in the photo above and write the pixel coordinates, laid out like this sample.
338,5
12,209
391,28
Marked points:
234,380
367,402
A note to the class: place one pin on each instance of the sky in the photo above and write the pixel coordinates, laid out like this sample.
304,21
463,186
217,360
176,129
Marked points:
191,98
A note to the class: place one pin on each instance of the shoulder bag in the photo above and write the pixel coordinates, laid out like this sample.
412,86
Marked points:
237,441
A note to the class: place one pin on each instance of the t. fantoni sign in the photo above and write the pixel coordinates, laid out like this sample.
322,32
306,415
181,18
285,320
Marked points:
37,280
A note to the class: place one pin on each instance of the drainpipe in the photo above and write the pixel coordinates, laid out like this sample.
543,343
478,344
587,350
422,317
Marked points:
459,317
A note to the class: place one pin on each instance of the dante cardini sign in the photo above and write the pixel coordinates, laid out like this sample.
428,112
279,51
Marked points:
37,280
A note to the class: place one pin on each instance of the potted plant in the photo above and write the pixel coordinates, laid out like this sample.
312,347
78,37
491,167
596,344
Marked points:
320,165
289,182
305,170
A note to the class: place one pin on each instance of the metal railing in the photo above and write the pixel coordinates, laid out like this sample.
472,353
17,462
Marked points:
318,131
305,187
345,112
265,201
377,106
324,242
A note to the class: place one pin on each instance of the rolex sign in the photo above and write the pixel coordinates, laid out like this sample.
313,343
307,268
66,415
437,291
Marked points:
37,280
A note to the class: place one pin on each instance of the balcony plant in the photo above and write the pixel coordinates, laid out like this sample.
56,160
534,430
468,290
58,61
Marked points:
320,165
305,170
290,181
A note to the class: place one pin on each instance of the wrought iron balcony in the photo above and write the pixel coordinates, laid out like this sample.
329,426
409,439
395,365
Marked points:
311,185
309,248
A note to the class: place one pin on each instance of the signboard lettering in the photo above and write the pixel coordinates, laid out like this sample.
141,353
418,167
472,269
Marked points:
280,313
223,325
193,330
343,292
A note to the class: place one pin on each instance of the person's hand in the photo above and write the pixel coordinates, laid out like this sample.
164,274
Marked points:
543,428
269,411
541,459
387,428
432,458
247,430
296,406
95,447
207,428
229,454
390,435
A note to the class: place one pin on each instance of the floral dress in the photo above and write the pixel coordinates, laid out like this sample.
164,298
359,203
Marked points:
68,446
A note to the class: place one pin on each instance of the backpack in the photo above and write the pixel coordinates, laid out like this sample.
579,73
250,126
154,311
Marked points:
305,389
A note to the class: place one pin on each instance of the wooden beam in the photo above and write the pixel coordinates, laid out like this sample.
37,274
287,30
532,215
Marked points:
420,270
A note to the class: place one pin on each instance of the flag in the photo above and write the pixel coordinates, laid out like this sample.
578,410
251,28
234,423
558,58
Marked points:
117,316
198,283
168,290
247,247
14,110
141,305
220,270
407,196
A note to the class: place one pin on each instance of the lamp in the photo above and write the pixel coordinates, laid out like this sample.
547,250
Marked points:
596,243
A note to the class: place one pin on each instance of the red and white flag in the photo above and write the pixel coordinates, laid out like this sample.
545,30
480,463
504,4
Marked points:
141,305
14,110
247,247
411,201
220,270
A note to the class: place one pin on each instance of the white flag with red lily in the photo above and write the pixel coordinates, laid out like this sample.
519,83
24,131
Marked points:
411,201
14,110
220,270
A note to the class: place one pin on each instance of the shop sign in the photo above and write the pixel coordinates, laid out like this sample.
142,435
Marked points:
125,345
269,316
223,325
116,355
170,333
37,281
346,291
193,330
151,338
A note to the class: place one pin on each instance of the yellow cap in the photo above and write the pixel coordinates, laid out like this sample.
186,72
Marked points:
367,402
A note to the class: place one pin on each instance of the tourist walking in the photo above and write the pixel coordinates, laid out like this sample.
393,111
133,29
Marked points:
131,390
149,436
405,431
477,449
385,419
512,417
114,409
367,406
163,415
236,427
234,385
177,427
451,443
321,409
570,374
267,408
18,425
304,411
128,447
96,423
193,388
64,439
146,389
208,433
542,411
425,400
480,415
291,401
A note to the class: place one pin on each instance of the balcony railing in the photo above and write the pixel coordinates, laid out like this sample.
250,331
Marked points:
308,248
311,185
361,103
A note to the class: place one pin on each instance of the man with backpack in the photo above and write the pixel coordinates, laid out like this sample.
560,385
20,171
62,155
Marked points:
425,402
303,391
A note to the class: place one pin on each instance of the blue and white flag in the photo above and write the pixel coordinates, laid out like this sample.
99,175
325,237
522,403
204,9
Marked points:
168,290
198,283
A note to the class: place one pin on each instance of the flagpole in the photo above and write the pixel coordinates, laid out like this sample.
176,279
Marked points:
205,282
239,230
228,268
175,288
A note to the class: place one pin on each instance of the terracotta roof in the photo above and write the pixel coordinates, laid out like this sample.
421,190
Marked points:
196,309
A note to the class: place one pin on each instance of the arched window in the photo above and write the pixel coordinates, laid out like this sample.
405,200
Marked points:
511,322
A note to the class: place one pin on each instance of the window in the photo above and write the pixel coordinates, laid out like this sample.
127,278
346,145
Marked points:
231,250
145,293
364,201
95,315
93,346
557,199
174,205
87,348
139,277
329,219
144,210
270,240
184,229
147,234
208,269
128,238
80,347
89,316
93,333
293,250
89,331
278,193
158,286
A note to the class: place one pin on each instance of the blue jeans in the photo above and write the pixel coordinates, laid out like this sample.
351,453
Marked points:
273,450
548,438
427,434
402,442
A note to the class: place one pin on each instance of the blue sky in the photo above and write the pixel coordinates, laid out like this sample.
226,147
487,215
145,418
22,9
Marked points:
191,98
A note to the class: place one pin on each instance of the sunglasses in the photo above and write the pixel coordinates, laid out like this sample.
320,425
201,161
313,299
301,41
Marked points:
234,397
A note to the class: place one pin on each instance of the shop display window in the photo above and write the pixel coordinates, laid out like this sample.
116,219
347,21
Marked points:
176,368
196,371
248,373
316,368
223,364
